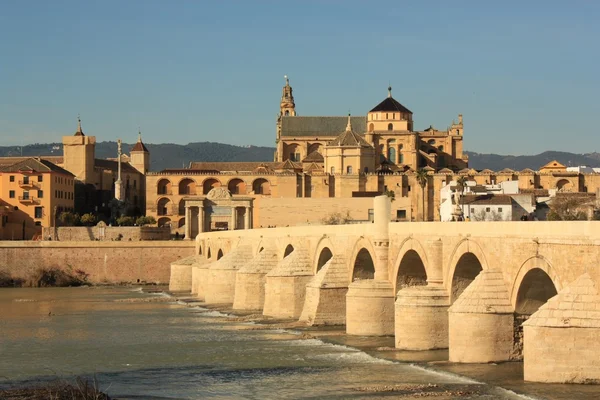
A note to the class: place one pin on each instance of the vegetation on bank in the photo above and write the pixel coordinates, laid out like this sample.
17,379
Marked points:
82,389
46,277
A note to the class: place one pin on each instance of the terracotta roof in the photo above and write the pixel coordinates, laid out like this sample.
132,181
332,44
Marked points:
139,146
112,165
536,192
390,104
315,156
35,165
6,161
349,139
319,126
487,199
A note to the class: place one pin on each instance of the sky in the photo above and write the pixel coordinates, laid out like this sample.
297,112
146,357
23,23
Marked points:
523,73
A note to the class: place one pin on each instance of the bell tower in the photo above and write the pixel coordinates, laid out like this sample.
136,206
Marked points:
287,107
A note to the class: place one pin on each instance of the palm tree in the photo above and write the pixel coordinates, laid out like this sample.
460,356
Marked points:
422,177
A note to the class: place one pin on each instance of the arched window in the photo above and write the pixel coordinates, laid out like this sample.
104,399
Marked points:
287,113
392,154
400,147
390,127
349,169
371,127
386,116
441,148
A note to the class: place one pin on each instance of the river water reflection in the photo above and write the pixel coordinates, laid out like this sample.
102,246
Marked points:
139,345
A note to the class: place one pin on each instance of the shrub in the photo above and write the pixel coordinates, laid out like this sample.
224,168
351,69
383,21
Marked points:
125,221
68,218
337,218
88,219
55,277
6,280
141,221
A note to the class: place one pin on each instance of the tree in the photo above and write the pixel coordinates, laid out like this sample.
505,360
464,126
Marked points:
125,221
141,221
67,218
569,208
391,194
422,178
88,219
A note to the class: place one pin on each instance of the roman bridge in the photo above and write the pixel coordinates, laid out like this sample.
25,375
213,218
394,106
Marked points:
488,291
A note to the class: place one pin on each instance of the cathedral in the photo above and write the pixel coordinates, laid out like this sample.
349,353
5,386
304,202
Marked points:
384,139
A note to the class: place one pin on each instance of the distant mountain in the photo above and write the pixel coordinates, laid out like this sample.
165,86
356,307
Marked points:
162,156
497,162
168,155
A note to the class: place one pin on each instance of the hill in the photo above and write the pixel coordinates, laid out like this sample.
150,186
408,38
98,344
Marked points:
169,155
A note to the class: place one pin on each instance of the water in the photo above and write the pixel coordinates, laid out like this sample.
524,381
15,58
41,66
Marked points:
145,346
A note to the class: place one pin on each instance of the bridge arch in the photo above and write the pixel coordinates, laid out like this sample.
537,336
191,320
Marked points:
219,254
534,284
362,264
208,254
411,265
323,252
467,260
287,250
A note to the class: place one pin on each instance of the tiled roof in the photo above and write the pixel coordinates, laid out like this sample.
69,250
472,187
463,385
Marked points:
230,166
112,165
390,104
139,146
349,139
487,199
319,126
35,165
7,161
315,156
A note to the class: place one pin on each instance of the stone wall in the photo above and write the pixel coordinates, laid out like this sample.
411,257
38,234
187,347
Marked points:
269,211
105,262
107,233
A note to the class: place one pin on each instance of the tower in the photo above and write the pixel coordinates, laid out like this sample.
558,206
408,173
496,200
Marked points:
140,156
287,108
79,153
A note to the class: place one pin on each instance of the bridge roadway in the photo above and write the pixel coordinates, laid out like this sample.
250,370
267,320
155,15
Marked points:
485,290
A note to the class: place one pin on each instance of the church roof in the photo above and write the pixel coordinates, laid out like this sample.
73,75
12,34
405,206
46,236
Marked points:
35,165
390,104
315,156
349,139
139,146
319,126
113,165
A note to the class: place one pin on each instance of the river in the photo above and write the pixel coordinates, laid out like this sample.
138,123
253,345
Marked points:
148,346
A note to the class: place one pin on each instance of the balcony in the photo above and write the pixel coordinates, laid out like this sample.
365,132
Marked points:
29,184
28,200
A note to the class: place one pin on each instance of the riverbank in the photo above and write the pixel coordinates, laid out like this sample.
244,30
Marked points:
506,377
81,389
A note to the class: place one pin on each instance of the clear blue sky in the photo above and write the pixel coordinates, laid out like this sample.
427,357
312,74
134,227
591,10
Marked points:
525,74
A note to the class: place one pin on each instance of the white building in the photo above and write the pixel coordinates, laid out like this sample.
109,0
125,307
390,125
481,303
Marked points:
498,202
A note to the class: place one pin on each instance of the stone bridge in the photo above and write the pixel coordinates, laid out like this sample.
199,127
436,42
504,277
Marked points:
488,291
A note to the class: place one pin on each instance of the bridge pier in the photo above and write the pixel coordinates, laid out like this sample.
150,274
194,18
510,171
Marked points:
220,282
481,321
285,286
325,302
422,318
370,308
199,277
250,281
180,279
561,338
